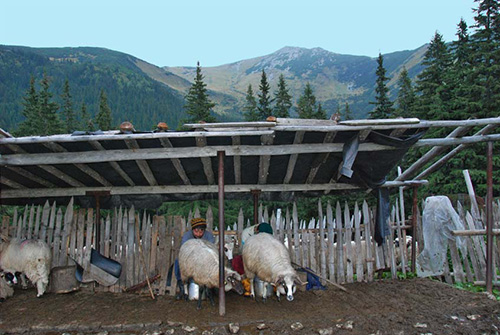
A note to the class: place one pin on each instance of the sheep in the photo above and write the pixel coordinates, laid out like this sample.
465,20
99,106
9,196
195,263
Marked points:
31,257
199,260
5,289
267,258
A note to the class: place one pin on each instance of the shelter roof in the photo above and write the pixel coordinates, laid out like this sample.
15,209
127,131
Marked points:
282,158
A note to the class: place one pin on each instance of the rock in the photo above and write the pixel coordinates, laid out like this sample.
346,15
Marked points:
169,331
473,317
297,326
262,326
234,328
189,329
174,323
326,331
207,332
420,325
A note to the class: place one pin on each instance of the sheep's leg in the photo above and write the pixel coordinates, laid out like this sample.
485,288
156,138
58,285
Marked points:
278,295
40,287
210,295
252,290
200,294
264,293
24,281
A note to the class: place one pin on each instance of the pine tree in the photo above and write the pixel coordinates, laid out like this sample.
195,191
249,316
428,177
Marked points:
320,113
50,123
31,112
67,112
383,105
434,98
198,105
103,117
265,101
406,96
250,109
283,99
85,123
347,115
306,105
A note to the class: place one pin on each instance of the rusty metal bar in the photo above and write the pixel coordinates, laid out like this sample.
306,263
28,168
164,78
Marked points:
97,196
222,228
255,194
489,218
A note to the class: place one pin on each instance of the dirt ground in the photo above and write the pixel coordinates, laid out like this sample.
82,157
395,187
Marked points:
415,306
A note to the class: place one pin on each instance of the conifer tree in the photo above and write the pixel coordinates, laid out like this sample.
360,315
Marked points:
434,95
406,96
320,113
198,105
347,115
383,105
264,95
49,122
31,112
283,99
250,109
85,123
306,105
103,117
67,112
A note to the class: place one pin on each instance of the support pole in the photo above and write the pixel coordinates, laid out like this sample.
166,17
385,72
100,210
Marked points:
414,230
489,219
255,194
97,196
222,228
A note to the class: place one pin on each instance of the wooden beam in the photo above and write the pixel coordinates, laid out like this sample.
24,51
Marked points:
265,160
50,169
457,132
114,165
143,164
299,136
320,158
82,167
165,142
10,183
201,142
236,140
28,175
189,189
455,141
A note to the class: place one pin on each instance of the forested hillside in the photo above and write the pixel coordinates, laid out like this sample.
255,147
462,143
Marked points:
132,95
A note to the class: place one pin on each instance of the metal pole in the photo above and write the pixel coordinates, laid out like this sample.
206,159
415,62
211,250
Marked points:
255,194
489,219
97,224
222,228
414,230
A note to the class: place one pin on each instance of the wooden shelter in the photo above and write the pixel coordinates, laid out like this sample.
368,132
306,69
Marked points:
280,159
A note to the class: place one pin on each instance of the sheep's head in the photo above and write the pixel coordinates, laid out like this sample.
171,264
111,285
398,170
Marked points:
233,282
286,285
228,250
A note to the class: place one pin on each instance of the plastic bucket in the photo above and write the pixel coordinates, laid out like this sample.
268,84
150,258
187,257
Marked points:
194,291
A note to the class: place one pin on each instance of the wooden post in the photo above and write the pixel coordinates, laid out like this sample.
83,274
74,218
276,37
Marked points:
414,230
97,195
489,219
255,194
222,228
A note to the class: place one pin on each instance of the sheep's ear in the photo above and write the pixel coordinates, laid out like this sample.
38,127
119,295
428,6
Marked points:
278,280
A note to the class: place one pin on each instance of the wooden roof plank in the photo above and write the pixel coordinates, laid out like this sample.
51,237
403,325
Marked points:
299,137
201,142
143,164
114,164
165,142
236,140
265,160
320,158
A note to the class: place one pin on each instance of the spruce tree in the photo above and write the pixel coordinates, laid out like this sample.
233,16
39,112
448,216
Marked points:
265,101
250,109
347,115
383,105
320,113
68,112
49,122
31,112
434,97
283,99
85,123
103,117
306,104
406,96
198,105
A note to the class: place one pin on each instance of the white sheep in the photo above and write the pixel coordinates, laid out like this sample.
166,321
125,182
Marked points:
267,258
31,257
5,289
199,261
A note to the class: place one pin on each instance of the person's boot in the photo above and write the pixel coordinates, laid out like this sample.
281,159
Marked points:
181,293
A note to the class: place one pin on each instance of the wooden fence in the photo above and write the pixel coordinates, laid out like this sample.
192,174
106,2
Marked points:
140,241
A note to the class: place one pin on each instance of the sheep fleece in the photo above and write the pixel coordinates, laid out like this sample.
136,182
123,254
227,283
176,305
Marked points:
32,257
266,257
199,259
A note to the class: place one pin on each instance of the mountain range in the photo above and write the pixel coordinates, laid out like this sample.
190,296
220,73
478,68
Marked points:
145,94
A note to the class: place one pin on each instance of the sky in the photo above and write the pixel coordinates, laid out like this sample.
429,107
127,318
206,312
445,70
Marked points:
218,32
